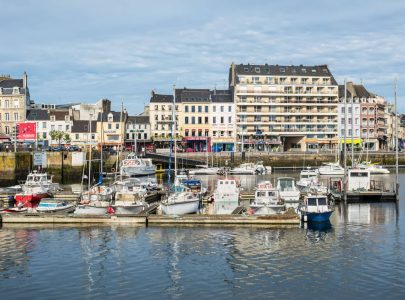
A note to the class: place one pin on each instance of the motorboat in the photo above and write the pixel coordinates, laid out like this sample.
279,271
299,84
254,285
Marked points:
181,200
97,193
316,208
267,200
251,169
226,196
373,168
35,179
331,169
204,170
130,196
307,177
288,191
93,208
134,166
31,196
52,206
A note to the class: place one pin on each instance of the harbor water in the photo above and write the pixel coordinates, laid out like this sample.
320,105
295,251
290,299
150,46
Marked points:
360,254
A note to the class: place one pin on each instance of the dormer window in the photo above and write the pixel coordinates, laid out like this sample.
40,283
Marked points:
110,117
16,90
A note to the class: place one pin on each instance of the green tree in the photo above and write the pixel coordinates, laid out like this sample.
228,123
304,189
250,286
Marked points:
57,135
66,138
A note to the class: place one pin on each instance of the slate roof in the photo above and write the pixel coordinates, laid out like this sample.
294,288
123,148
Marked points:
38,115
138,119
160,98
221,96
59,114
355,91
82,126
7,86
193,95
276,70
103,116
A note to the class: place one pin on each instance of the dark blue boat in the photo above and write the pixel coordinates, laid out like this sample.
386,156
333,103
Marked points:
316,209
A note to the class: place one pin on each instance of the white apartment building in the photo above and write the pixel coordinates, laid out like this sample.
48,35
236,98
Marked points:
285,107
223,124
137,132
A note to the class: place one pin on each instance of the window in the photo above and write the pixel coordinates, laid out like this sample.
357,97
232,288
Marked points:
186,120
199,132
206,108
214,108
44,135
67,127
43,125
7,128
193,132
7,116
193,120
15,116
214,120
199,120
186,108
7,103
222,120
16,104
229,108
193,108
206,120
109,126
222,108
199,108
53,127
117,126
93,136
230,120
60,127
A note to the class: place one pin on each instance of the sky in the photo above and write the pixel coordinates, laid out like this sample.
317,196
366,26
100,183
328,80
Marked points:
85,50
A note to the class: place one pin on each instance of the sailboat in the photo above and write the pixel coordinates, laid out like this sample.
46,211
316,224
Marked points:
204,169
181,199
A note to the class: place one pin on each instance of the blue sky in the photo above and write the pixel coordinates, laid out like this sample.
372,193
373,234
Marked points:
81,51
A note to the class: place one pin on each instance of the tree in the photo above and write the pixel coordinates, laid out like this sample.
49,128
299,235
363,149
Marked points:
66,138
57,135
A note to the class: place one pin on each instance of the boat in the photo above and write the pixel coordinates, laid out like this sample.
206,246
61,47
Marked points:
288,192
94,208
373,168
307,177
133,166
129,196
17,209
251,169
331,169
267,200
180,199
316,209
226,196
204,170
31,196
35,179
52,206
97,193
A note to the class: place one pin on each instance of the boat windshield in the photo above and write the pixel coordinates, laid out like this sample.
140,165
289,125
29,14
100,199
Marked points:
311,201
322,201
261,194
286,184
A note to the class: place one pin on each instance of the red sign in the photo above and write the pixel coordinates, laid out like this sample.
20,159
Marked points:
27,131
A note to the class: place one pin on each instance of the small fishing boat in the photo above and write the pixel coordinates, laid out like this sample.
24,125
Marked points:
226,196
32,196
267,200
288,191
129,196
35,179
316,209
134,166
331,169
52,206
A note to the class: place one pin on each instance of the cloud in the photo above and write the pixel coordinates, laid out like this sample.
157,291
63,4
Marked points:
83,51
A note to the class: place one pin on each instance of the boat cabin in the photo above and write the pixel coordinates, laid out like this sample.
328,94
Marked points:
358,180
286,184
316,204
36,178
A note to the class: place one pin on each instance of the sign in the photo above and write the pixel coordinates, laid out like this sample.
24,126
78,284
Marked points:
27,131
78,159
40,159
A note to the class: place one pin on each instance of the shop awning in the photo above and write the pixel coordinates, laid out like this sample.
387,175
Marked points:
349,141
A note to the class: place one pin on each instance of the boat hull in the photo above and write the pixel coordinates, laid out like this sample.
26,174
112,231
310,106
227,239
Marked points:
180,208
90,210
30,200
68,208
318,217
128,209
267,210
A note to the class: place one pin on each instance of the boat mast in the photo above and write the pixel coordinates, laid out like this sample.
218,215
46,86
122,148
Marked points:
175,130
396,142
119,146
344,145
352,106
90,150
102,139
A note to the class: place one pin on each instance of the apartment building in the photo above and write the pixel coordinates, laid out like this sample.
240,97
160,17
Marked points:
84,133
14,102
223,125
285,107
349,119
111,128
194,118
138,133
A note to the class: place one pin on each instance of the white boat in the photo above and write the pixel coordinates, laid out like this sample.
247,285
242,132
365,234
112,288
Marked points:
267,200
226,196
307,177
331,169
128,207
181,201
288,191
251,169
94,208
97,193
203,170
35,179
130,196
134,166
52,206
373,168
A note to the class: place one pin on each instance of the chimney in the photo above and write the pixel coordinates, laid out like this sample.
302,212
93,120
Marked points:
25,80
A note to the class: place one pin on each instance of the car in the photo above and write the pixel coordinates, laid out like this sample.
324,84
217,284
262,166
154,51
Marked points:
56,148
72,148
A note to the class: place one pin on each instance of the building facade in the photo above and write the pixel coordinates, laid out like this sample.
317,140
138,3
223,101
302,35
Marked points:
138,134
84,133
223,121
285,107
111,128
14,102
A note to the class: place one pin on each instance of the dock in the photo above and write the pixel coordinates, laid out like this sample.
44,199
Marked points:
279,221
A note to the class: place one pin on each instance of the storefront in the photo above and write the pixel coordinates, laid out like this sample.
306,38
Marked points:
197,144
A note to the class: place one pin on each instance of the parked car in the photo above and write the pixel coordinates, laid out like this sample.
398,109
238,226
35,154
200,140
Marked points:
56,148
72,148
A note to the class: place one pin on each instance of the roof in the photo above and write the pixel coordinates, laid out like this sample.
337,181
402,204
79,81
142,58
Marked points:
161,98
38,115
82,126
10,83
138,119
59,114
276,70
221,96
193,95
355,91
103,116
